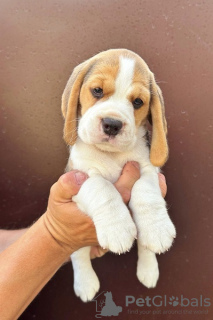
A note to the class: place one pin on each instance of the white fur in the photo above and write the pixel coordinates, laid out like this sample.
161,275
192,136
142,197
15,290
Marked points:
103,159
147,267
124,79
86,282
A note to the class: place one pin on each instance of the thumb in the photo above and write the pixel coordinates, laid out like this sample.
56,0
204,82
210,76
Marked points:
130,174
67,186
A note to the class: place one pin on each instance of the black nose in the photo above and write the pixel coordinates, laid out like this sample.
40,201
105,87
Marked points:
111,126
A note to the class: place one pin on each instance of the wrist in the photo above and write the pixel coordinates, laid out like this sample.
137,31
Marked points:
59,234
52,234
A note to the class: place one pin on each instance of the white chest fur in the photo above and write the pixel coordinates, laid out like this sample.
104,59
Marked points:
91,160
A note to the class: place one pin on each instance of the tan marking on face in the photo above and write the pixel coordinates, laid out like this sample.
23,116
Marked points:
102,76
140,89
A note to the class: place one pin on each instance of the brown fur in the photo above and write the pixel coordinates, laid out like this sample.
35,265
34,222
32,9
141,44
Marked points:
103,76
159,147
141,90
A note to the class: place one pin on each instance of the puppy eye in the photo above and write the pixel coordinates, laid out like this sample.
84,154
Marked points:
97,92
137,103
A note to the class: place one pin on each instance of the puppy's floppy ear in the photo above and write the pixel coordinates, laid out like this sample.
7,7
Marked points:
70,101
159,147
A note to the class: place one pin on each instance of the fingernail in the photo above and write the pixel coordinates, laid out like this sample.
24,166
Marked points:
80,177
135,164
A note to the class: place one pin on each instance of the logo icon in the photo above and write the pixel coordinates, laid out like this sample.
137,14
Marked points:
105,306
173,301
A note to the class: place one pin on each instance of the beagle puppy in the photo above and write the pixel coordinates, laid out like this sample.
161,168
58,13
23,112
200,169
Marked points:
106,104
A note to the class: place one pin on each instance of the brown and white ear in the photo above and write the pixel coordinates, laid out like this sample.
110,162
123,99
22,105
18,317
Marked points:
70,101
159,147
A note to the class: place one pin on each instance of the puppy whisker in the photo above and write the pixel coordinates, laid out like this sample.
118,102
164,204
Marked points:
161,81
71,133
74,120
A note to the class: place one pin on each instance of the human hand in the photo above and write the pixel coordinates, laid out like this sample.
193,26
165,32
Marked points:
124,185
71,228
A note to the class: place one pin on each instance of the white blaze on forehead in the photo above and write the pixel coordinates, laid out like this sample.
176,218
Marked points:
125,77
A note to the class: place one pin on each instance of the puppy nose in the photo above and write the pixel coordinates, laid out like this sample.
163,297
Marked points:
111,126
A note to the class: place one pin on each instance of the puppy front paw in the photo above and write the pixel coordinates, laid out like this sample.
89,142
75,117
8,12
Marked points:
157,232
155,228
86,286
117,233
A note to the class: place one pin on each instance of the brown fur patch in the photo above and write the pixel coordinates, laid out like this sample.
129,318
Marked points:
141,90
70,99
102,76
159,147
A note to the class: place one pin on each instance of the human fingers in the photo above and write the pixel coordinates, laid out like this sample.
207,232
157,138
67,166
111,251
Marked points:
129,175
97,252
67,186
162,183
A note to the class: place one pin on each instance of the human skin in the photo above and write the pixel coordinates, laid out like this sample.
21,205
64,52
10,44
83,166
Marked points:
43,248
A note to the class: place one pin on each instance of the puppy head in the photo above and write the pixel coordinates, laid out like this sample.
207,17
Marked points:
107,99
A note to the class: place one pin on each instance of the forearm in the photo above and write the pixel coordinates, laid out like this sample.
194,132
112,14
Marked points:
7,237
25,267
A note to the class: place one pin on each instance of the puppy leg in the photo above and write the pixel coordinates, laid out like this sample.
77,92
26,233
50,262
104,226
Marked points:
147,267
115,228
86,283
155,228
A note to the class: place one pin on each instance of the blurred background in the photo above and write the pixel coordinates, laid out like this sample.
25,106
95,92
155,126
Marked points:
41,42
